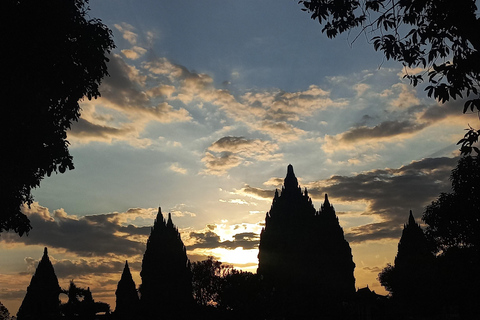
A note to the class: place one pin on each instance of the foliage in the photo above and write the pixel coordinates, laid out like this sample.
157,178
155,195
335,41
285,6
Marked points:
4,314
387,278
57,55
453,220
225,289
207,281
439,36
81,305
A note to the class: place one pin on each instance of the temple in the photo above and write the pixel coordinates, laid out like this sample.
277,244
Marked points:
303,255
127,302
41,300
166,276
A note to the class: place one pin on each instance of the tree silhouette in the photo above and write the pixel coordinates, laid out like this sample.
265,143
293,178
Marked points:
207,278
4,314
41,300
453,225
223,291
295,233
439,36
57,55
166,289
80,304
127,303
242,295
453,220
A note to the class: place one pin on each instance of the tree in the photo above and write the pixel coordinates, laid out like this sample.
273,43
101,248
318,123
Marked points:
453,226
57,55
4,314
80,304
207,281
440,36
453,220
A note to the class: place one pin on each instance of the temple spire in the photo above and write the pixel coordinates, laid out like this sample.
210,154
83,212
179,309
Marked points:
326,203
411,219
169,221
290,182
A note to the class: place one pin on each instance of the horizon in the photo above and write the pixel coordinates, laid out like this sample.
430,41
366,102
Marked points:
205,106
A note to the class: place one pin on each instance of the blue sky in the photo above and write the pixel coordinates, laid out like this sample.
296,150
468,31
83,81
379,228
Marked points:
206,104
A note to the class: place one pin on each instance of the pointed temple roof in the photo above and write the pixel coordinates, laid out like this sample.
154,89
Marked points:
294,231
411,219
166,277
41,299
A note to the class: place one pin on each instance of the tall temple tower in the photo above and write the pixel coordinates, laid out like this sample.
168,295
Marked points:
127,302
303,254
41,301
166,289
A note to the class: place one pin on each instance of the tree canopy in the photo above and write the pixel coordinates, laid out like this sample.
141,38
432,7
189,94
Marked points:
439,36
453,220
56,56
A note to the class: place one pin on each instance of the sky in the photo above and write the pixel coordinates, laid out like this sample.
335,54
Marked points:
206,104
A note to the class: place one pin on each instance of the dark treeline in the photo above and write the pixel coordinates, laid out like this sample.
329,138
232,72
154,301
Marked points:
305,269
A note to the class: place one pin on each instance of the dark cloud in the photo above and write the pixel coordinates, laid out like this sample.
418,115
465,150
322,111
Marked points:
391,194
84,128
230,143
436,113
78,268
210,240
12,294
97,235
383,130
258,192
123,86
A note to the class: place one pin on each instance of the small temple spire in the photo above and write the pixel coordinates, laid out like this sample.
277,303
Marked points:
411,219
169,221
290,181
45,252
326,203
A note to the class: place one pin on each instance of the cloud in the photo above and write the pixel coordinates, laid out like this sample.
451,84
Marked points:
257,193
210,240
128,103
220,164
405,96
87,131
389,193
371,135
95,235
175,167
381,199
75,268
134,53
182,210
127,32
229,152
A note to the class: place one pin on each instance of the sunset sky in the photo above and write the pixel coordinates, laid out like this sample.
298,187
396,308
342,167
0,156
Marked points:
207,103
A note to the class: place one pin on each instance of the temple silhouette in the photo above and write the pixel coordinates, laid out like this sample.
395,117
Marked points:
303,256
166,287
305,271
41,301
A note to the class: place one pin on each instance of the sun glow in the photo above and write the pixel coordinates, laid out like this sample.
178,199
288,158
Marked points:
239,258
